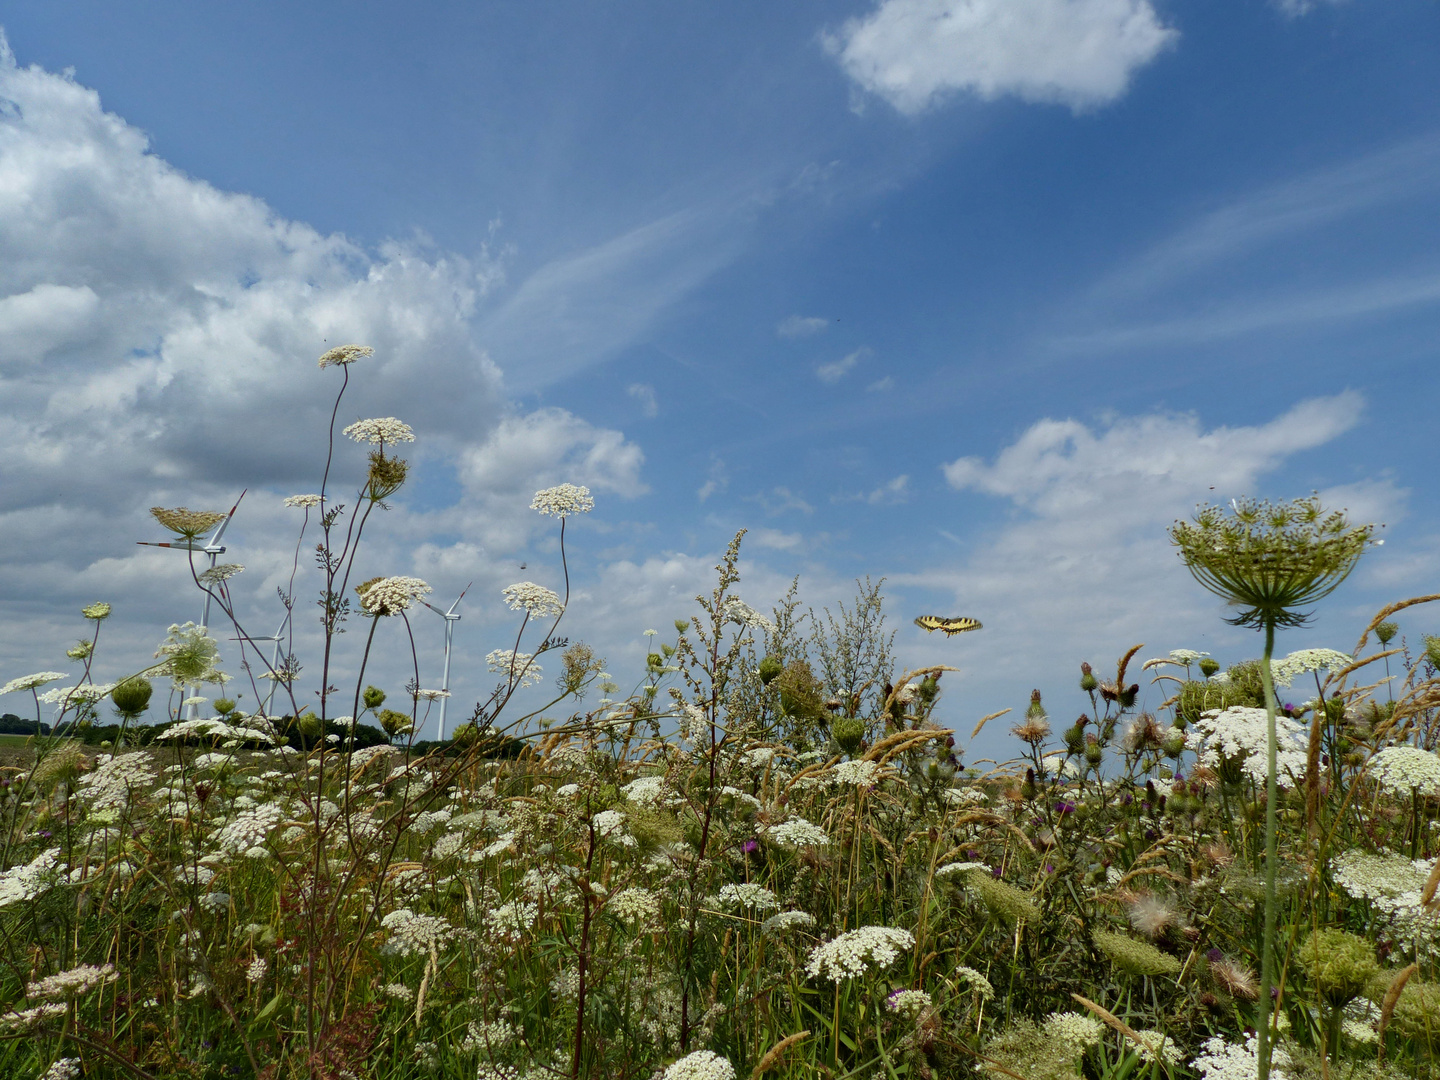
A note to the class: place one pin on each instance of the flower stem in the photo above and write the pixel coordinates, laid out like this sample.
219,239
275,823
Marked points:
1267,961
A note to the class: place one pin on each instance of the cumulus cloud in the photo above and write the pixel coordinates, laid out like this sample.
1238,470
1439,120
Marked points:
1079,53
797,326
158,345
891,493
836,370
1083,567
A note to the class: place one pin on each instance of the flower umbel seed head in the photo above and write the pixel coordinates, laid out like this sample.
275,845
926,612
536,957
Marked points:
1270,559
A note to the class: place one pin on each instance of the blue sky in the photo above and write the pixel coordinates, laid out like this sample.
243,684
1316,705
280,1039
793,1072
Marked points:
974,296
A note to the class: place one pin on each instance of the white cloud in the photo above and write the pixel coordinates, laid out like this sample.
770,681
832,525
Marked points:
1084,566
780,500
717,479
776,539
158,340
838,369
891,493
644,393
1079,53
880,386
796,326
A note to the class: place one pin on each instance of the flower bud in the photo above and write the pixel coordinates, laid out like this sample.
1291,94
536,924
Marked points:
131,697
848,732
373,697
1208,666
1088,682
1036,711
309,725
1386,632
1128,695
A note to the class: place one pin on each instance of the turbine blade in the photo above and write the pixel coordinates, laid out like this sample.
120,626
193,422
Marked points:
220,529
458,599
433,608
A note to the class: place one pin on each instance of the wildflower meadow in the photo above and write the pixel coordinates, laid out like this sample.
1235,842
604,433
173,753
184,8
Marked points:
769,858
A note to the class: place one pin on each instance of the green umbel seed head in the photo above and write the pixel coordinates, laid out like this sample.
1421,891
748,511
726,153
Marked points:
849,732
131,697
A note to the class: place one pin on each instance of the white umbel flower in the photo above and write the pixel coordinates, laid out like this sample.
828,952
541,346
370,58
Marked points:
562,500
304,502
515,665
30,682
535,600
853,954
1403,768
342,355
391,595
798,833
1232,1061
1240,732
701,1065
65,985
1286,671
380,430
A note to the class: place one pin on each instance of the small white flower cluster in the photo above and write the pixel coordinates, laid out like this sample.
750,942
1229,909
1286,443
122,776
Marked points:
246,831
1403,768
304,502
534,600
515,666
1286,671
701,1065
634,904
1179,656
953,868
860,773
978,983
610,825
380,429
1240,732
25,1019
786,921
415,935
513,921
852,955
747,895
971,796
1232,1061
345,354
563,500
908,1003
648,791
694,725
109,784
255,972
742,614
798,833
30,682
399,992
1393,885
66,1068
392,595
28,881
221,573
67,695
1154,1045
65,985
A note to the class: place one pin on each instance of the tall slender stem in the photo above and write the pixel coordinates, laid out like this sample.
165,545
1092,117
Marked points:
1267,956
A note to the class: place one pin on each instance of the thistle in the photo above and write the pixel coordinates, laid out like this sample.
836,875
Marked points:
1270,560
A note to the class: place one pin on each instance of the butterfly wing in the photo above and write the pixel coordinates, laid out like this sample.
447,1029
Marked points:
930,623
959,626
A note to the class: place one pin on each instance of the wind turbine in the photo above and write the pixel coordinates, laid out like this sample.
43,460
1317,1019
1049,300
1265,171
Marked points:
451,617
211,547
277,638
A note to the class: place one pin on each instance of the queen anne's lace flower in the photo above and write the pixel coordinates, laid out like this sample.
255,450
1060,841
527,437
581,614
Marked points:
639,905
1231,1061
380,429
415,935
534,600
701,1065
248,829
30,682
345,354
741,613
64,985
1179,656
28,881
860,773
221,572
786,921
908,1003
304,502
515,665
66,1068
108,786
853,954
798,833
1286,671
1240,733
391,595
747,895
1403,768
1078,1031
563,500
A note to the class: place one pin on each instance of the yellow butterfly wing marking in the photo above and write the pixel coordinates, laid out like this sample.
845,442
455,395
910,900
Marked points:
950,627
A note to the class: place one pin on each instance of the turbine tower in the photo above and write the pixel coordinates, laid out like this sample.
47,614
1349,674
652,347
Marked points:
277,638
212,547
451,617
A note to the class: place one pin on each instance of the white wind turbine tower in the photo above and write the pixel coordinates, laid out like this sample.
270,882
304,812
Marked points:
451,617
212,547
277,638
